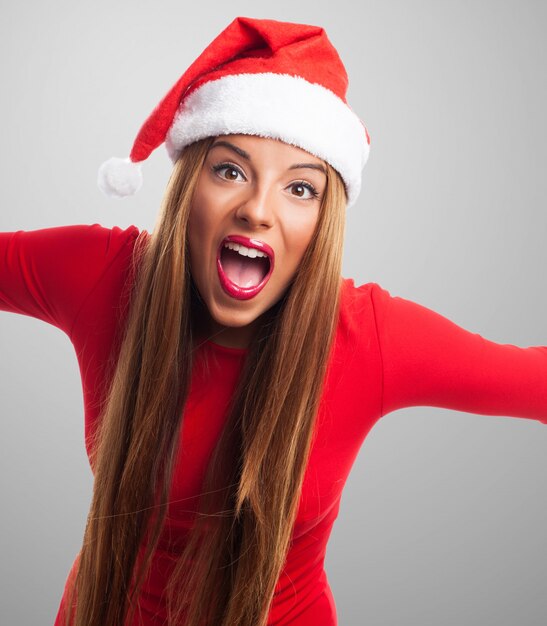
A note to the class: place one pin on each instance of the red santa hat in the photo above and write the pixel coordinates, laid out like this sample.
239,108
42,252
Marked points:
258,77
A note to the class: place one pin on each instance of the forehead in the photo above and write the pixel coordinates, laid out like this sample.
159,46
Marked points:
256,146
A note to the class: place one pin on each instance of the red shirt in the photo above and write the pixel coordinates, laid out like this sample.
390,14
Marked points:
389,353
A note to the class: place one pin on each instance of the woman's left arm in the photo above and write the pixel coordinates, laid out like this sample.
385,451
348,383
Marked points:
428,360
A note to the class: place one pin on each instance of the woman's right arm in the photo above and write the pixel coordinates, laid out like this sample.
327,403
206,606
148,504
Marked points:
49,273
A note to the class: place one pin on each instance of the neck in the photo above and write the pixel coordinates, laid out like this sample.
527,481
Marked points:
230,337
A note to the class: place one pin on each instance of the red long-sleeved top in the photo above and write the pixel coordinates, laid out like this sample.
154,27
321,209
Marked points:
389,353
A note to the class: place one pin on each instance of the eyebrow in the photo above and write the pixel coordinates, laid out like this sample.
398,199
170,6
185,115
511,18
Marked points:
242,153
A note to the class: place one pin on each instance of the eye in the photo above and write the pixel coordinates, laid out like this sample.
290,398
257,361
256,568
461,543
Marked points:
227,171
304,190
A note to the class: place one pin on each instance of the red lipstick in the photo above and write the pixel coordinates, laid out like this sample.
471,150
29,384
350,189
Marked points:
231,288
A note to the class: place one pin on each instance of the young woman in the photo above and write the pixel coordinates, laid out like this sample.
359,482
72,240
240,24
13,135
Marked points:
230,374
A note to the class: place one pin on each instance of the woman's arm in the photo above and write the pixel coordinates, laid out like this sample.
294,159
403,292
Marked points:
50,273
428,360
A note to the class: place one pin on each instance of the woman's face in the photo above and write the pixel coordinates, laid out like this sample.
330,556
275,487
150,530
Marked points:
253,215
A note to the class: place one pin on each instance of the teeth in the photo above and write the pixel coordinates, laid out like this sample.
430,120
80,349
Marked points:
244,251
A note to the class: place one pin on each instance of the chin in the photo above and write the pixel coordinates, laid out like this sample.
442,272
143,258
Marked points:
233,319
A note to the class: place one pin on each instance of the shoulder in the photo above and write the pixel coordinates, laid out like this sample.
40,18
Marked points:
91,248
73,242
93,237
49,273
361,308
362,300
104,273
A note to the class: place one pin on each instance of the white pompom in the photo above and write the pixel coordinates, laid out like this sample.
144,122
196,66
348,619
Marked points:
119,177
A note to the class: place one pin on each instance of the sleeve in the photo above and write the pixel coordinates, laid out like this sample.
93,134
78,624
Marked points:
428,360
49,273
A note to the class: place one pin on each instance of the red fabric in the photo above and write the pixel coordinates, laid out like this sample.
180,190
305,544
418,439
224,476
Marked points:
390,353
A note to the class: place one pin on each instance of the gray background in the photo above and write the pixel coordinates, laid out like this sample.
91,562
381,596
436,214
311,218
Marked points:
444,517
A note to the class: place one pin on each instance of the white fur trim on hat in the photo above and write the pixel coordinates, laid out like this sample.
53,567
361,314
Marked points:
279,106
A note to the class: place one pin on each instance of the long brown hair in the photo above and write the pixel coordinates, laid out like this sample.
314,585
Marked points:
227,572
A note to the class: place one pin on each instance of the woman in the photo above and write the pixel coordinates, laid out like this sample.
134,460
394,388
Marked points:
227,392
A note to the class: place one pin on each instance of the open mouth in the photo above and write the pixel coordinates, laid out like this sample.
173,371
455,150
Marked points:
244,266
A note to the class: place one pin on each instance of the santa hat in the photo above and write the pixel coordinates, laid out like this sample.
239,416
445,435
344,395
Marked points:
258,77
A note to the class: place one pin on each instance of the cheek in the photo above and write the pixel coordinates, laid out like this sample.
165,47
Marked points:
201,225
207,212
301,230
196,219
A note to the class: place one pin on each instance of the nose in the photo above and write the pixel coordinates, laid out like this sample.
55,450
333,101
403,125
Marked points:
257,209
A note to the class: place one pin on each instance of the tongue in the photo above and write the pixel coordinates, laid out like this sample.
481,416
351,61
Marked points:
242,270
